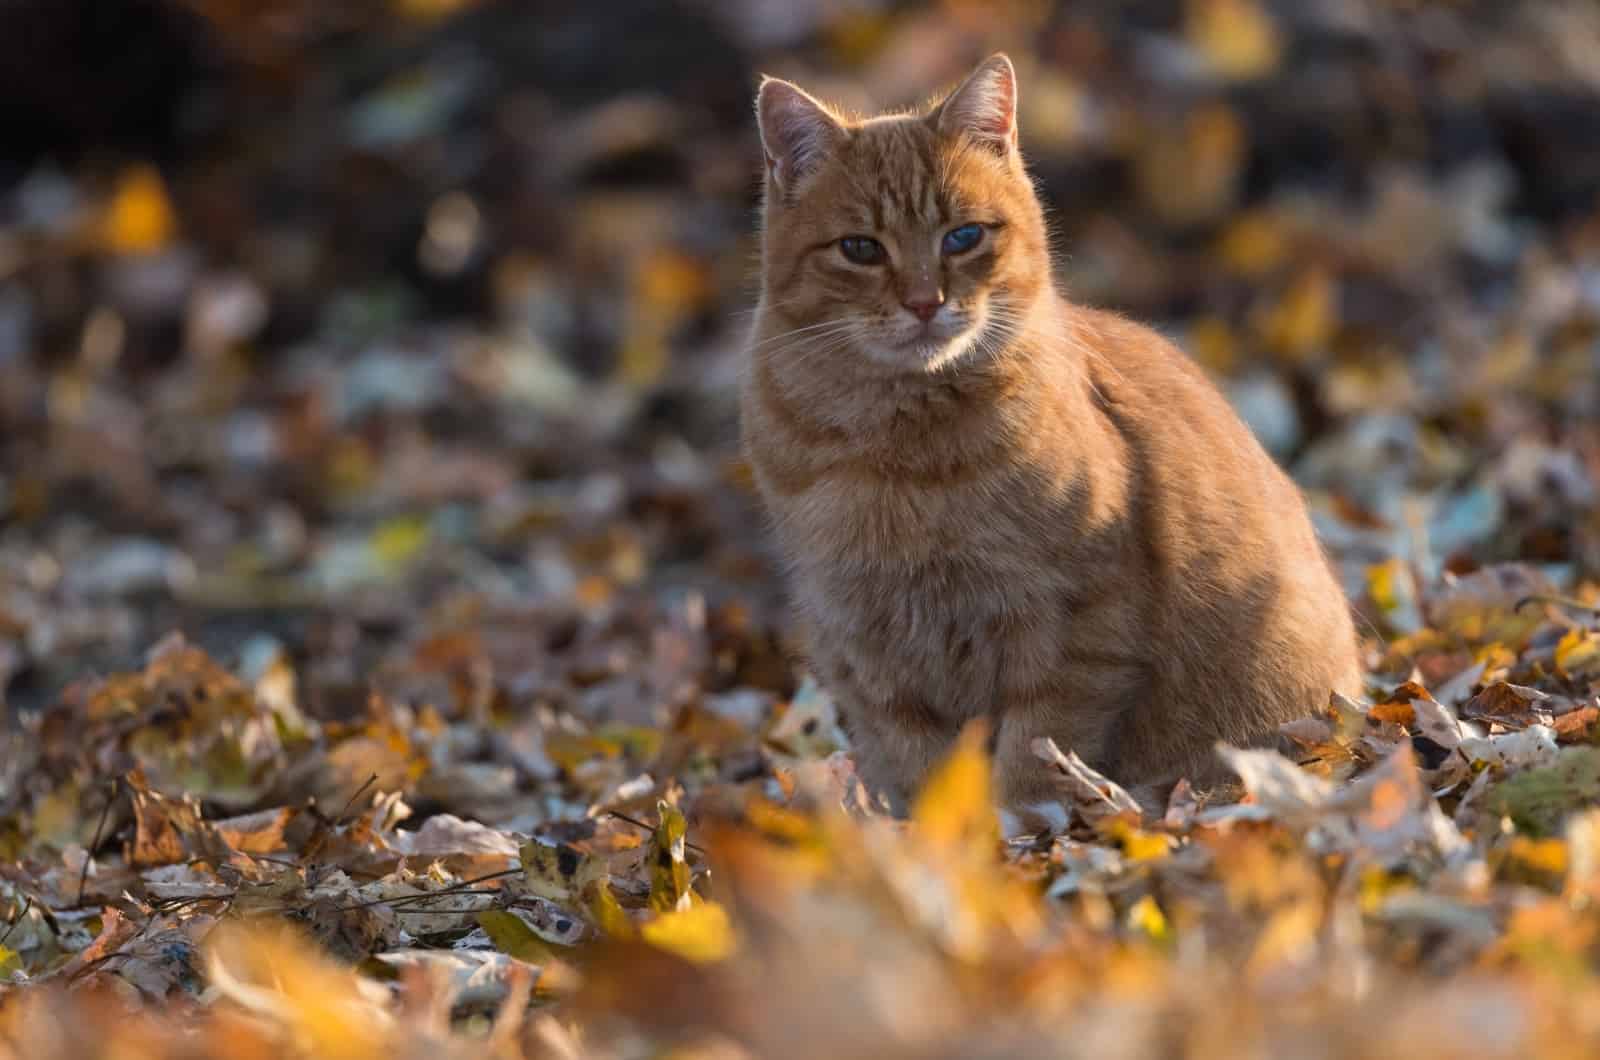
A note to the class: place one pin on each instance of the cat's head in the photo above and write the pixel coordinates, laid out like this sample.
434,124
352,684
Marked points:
906,241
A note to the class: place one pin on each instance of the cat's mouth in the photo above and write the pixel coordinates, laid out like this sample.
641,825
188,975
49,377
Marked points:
930,345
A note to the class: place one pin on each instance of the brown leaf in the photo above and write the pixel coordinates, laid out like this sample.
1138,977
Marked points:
1504,700
1576,726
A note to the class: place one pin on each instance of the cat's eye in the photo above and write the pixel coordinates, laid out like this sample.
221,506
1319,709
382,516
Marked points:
863,250
960,240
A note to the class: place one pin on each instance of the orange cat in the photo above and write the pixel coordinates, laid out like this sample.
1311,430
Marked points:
994,503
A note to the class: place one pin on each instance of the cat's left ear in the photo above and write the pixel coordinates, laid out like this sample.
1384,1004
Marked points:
984,107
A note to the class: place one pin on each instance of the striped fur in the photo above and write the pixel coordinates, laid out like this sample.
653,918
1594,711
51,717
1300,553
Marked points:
1026,511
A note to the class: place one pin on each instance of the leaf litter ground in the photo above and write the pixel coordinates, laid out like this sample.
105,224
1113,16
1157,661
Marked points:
482,734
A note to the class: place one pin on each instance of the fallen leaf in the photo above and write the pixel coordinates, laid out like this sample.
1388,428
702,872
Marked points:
140,218
701,933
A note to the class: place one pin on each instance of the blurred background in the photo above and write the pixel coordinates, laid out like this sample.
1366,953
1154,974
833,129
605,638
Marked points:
330,326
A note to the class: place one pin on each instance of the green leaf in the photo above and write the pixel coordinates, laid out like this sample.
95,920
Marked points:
511,936
1539,800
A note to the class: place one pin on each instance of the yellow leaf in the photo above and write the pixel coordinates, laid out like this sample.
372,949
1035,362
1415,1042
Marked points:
1583,856
673,284
350,466
571,750
668,288
1546,936
557,873
1145,917
1254,244
430,9
957,805
1304,320
628,563
701,933
139,218
1497,659
398,541
1289,937
640,742
1394,589
1139,845
605,912
58,815
1237,37
644,356
594,592
1212,342
669,872
10,960
789,826
1378,884
279,975
1578,653
856,36
1543,856
1190,174
1510,362
1059,113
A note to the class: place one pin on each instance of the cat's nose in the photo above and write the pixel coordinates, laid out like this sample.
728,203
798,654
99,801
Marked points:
924,307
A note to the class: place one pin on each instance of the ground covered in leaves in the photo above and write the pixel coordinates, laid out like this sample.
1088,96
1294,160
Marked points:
390,664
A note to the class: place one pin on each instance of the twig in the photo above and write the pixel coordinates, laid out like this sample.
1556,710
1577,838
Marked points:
27,904
339,818
418,912
417,899
698,849
1554,598
168,906
83,877
454,888
89,966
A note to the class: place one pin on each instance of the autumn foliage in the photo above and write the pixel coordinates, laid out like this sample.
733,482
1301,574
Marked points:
392,663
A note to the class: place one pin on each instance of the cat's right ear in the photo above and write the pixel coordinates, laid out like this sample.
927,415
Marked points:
984,107
797,132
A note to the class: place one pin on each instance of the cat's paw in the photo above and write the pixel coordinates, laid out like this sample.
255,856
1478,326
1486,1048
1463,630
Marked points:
1046,817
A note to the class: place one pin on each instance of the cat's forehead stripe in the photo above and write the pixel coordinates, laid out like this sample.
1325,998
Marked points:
903,174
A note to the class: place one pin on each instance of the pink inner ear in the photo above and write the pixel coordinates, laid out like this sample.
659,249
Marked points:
995,107
1002,106
995,125
986,107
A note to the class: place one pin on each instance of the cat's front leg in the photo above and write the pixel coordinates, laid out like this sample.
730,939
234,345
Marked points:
896,740
1028,798
1027,789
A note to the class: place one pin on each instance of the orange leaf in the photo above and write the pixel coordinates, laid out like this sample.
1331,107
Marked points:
140,218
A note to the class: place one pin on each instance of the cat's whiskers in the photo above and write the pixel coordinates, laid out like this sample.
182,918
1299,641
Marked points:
806,356
767,306
834,325
802,349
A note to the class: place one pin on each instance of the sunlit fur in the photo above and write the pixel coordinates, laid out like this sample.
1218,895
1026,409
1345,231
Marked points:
1021,510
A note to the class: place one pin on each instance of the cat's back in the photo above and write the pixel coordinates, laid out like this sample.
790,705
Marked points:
1178,425
1225,527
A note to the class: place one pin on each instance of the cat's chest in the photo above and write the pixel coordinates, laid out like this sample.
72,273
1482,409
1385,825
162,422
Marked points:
909,558
869,522
933,624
